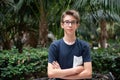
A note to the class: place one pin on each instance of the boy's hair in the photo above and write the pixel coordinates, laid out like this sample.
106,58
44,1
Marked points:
73,13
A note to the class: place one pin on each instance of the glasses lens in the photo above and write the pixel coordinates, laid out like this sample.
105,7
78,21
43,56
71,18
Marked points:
70,22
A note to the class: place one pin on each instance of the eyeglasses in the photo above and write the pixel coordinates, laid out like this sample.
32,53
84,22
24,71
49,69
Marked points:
67,22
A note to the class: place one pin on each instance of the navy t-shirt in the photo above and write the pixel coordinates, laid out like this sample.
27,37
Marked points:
66,55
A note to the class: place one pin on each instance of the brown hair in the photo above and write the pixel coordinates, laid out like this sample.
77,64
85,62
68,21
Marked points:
73,13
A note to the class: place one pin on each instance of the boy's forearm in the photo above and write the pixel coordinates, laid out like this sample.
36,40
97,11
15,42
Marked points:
73,71
83,75
64,72
61,73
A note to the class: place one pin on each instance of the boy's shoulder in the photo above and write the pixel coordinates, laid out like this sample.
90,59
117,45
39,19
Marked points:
56,42
82,42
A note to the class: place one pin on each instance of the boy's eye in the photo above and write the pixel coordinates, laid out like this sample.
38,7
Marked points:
68,22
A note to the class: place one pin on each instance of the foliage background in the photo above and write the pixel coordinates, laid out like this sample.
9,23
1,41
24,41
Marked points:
42,16
32,63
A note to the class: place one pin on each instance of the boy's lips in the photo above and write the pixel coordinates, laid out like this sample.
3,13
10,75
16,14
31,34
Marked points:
70,29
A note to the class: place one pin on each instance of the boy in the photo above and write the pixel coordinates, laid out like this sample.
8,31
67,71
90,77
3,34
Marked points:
69,57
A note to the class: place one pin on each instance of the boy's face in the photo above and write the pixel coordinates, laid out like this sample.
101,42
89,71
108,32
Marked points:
70,24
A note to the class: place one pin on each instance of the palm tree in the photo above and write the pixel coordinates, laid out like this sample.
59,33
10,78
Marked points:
92,8
4,29
49,16
40,13
43,15
16,16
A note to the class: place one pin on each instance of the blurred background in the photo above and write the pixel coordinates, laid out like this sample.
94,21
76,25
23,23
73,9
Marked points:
27,27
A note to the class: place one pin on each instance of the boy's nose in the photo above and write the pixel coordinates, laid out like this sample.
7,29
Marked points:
70,24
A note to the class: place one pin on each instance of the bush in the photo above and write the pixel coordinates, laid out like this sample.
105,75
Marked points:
105,61
32,63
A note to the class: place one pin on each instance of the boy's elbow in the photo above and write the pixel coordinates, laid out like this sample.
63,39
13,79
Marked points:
89,75
50,75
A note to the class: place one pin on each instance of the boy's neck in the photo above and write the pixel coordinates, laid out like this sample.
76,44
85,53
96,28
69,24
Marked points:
69,40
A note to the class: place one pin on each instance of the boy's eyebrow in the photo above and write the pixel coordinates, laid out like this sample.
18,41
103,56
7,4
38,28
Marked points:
70,20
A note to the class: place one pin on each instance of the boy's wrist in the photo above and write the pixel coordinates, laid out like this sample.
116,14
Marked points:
78,69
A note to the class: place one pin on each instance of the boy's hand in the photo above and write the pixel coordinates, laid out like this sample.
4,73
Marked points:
56,65
78,69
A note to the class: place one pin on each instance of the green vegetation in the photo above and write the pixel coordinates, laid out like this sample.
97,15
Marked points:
32,63
38,18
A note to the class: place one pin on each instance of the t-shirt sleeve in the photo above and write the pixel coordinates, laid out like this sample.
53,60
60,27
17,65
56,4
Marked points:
86,53
52,53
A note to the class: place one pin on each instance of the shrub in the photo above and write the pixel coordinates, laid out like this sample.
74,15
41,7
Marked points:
32,63
105,61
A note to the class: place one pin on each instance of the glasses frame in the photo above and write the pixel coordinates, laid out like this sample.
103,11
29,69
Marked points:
67,22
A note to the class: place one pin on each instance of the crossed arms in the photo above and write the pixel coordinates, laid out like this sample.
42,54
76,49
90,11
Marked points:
79,72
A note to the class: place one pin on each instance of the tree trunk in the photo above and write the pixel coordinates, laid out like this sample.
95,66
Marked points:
103,33
43,27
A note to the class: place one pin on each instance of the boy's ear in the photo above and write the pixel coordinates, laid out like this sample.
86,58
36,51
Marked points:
61,25
78,24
